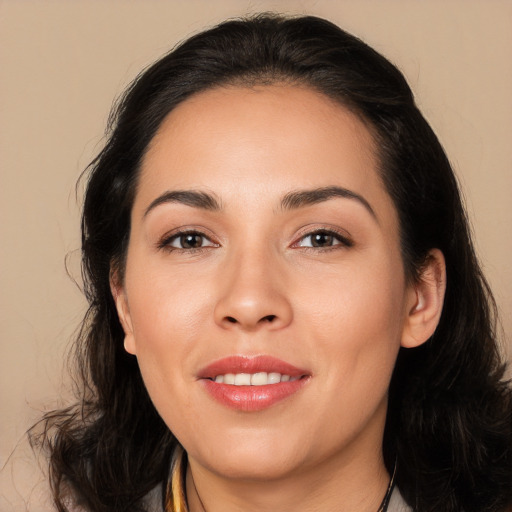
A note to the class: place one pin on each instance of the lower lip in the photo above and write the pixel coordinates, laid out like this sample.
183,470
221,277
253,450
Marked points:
252,398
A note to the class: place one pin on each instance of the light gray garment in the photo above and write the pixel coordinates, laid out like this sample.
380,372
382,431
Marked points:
397,503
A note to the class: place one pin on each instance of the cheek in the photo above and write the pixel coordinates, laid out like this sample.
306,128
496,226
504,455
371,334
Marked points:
168,316
354,299
355,323
166,307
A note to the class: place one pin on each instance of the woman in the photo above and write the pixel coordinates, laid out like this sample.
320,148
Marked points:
286,311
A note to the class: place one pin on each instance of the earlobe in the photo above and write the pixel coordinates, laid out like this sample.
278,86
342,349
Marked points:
425,305
123,312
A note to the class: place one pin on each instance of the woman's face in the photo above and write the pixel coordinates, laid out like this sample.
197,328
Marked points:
264,246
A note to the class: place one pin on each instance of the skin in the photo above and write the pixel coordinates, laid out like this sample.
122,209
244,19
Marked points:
341,311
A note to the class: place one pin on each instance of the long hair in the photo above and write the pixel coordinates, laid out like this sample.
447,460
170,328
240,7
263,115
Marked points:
449,423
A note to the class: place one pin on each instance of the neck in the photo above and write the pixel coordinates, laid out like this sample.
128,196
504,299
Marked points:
357,485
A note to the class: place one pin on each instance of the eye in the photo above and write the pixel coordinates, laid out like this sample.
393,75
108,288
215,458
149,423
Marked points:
323,239
189,240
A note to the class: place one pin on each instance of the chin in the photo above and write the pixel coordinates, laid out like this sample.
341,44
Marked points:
251,461
260,469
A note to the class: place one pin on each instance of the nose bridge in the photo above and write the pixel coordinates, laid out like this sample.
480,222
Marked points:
252,294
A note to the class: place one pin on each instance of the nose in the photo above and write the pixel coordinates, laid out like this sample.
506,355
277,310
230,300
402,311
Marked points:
252,295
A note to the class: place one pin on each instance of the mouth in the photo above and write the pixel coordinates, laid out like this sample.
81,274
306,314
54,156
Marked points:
252,383
254,379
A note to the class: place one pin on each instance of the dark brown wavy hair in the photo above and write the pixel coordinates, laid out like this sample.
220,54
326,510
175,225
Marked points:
449,423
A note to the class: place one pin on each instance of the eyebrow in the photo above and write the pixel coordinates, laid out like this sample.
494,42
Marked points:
192,198
301,198
291,201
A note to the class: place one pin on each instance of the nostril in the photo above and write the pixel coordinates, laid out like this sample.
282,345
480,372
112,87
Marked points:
266,318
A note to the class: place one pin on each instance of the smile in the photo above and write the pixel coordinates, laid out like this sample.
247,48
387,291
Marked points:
254,379
252,384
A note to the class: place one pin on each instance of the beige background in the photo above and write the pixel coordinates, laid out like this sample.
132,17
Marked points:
63,62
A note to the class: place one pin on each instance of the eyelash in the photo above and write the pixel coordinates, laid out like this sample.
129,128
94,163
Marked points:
166,241
344,241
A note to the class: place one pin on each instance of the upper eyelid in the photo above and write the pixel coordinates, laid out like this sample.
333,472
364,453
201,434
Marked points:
310,230
172,233
170,236
306,231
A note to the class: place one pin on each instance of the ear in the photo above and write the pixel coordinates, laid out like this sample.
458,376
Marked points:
123,312
425,302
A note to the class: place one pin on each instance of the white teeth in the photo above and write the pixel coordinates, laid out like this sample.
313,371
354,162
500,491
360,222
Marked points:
243,379
274,378
259,379
229,378
254,379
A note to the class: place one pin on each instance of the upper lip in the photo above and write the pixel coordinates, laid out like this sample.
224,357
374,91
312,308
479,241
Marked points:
246,364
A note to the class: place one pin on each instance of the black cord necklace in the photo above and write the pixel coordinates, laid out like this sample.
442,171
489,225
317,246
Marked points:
382,507
387,497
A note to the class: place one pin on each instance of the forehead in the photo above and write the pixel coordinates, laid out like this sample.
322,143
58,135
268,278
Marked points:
253,142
